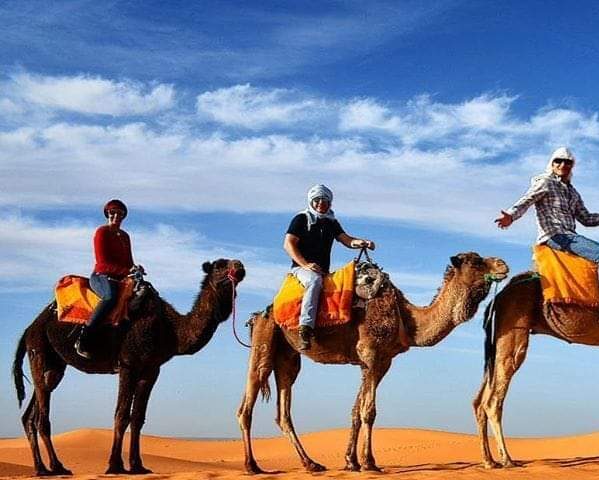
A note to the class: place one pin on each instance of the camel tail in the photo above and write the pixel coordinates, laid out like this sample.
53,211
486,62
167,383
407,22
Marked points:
264,370
17,369
265,391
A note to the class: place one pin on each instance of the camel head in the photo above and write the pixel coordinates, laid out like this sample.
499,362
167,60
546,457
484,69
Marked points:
223,271
472,269
475,275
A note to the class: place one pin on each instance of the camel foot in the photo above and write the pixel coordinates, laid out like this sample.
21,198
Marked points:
371,467
315,467
139,470
116,469
509,463
43,472
491,464
61,470
252,468
352,466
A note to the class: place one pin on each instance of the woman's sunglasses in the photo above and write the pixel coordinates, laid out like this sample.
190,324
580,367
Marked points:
565,161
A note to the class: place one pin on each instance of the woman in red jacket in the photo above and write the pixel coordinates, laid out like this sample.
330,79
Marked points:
112,250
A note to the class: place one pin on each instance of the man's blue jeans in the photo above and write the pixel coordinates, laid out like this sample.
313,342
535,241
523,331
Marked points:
576,244
312,282
108,291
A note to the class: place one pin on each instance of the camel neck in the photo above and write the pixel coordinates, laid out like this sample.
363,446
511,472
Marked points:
195,329
454,304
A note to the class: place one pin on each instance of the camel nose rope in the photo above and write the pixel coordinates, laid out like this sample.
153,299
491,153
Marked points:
231,276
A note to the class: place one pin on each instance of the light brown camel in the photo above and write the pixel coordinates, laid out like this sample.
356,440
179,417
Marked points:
374,336
519,311
157,332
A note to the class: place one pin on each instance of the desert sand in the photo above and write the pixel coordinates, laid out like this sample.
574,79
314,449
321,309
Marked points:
402,453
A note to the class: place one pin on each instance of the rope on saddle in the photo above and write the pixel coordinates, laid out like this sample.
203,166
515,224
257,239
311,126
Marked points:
231,277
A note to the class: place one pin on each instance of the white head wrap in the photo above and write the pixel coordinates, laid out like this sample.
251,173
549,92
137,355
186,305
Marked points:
312,215
561,152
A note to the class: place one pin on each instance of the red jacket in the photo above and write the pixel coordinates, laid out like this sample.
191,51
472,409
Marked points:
112,250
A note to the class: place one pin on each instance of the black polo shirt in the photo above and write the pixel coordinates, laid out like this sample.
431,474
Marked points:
315,245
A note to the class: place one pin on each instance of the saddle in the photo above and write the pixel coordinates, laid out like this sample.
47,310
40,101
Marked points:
566,278
342,290
570,294
76,300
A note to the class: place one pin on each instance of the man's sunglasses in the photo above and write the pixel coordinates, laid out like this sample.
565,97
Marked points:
565,161
321,200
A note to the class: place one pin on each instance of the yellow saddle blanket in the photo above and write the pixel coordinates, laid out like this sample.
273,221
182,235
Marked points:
335,299
76,300
566,278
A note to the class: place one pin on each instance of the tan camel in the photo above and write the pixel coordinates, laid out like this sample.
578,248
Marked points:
156,333
371,340
519,311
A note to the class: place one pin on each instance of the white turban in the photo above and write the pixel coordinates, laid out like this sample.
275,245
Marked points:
312,215
561,152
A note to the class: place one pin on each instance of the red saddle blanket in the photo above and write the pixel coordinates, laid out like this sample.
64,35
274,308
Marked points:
76,300
335,299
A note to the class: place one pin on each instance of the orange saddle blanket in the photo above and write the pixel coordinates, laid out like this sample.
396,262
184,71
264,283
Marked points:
335,299
566,278
76,300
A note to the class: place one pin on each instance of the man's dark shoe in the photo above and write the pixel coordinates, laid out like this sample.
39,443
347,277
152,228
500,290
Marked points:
305,334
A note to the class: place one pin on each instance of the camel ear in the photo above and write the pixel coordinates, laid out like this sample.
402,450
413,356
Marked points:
456,261
207,267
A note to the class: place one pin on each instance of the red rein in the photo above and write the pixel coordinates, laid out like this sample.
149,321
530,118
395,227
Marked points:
231,276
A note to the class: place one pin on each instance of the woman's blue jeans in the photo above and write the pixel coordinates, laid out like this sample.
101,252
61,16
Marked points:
108,291
576,244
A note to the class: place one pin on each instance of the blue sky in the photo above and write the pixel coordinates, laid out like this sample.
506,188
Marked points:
212,119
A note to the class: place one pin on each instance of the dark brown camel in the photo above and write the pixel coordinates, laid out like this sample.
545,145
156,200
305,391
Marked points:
519,311
371,340
156,334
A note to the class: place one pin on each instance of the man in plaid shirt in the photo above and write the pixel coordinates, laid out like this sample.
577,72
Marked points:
558,206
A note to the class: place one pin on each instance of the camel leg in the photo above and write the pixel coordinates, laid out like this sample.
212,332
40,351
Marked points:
351,454
29,420
122,417
510,354
287,366
482,424
371,378
143,389
43,393
259,369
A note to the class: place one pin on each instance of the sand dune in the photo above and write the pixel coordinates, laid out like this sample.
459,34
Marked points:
410,453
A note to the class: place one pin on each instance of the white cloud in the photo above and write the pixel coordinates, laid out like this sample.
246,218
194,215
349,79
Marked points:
89,95
254,108
447,166
34,254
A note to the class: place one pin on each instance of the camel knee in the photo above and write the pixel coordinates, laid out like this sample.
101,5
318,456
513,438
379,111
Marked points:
52,378
244,416
368,414
284,423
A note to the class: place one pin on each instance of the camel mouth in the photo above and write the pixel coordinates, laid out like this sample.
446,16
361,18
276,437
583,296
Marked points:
501,275
239,274
237,271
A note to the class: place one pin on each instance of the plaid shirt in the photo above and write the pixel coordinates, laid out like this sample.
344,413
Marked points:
558,206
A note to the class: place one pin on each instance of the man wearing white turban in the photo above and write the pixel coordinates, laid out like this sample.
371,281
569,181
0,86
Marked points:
308,242
558,205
